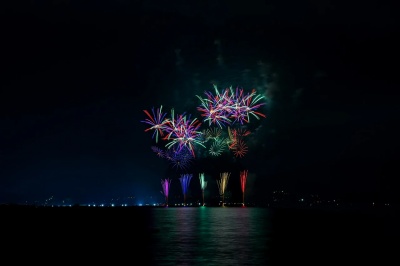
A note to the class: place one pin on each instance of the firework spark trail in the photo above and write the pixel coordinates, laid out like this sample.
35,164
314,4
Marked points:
224,109
166,184
232,139
178,160
183,132
240,132
185,181
212,113
244,106
240,148
243,179
212,133
222,183
156,121
249,105
158,151
214,108
217,147
203,185
181,159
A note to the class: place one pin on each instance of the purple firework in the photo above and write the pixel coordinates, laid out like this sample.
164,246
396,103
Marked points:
166,183
181,159
158,151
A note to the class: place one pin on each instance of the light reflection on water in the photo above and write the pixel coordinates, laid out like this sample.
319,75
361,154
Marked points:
210,236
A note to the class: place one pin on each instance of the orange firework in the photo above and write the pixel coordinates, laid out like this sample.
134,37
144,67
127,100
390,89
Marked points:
240,149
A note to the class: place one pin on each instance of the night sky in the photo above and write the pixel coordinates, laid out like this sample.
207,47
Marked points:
76,77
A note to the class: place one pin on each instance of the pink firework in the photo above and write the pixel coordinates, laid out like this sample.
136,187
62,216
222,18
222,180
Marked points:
166,184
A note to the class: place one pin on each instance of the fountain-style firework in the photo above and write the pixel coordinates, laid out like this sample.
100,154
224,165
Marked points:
243,179
166,184
185,181
203,185
222,183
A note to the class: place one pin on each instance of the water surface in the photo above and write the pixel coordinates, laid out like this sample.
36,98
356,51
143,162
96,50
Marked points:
211,236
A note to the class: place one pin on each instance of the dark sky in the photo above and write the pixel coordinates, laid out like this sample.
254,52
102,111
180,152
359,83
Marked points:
76,77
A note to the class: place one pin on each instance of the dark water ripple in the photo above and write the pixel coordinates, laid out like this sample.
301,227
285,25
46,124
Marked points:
211,236
200,236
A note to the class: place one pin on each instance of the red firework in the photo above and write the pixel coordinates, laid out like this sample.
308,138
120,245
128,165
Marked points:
243,179
240,148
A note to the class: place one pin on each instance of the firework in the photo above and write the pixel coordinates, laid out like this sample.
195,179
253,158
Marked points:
156,121
180,159
222,183
213,108
183,132
240,132
212,133
203,185
158,151
226,112
249,105
229,107
232,139
166,184
240,148
217,147
243,179
185,181
219,109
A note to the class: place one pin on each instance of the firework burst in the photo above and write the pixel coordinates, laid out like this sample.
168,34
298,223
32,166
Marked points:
158,151
217,147
156,121
240,148
180,160
183,133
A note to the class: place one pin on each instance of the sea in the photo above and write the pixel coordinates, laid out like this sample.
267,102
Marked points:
200,236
